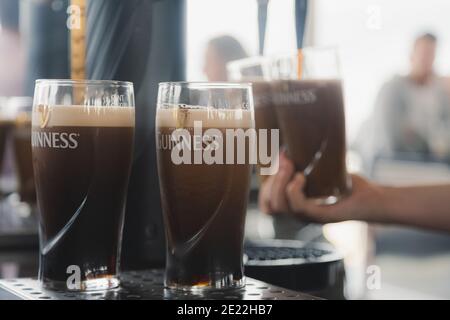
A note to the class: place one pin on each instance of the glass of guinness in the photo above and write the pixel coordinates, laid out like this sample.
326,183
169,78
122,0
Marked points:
309,105
204,137
82,143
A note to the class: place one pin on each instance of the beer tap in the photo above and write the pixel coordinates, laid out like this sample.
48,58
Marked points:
301,10
262,23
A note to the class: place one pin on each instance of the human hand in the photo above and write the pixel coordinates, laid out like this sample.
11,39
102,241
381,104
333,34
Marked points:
283,193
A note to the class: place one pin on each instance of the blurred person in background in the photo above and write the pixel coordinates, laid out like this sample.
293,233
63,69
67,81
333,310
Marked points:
11,52
220,51
419,206
412,112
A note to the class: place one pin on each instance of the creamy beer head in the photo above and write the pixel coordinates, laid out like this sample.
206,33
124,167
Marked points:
81,116
185,116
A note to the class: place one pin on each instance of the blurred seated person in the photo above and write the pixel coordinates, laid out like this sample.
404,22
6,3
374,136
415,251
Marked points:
12,63
219,52
412,112
419,206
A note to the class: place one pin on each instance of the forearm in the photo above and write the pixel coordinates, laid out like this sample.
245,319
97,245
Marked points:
422,206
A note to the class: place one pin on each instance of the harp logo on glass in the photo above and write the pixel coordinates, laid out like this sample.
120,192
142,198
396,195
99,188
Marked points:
230,146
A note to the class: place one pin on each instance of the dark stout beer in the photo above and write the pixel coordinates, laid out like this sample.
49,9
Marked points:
204,205
82,158
265,114
311,115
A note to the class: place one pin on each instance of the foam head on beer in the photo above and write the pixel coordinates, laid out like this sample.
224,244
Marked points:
45,117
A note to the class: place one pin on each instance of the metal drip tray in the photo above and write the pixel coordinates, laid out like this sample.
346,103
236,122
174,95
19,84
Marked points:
314,268
148,285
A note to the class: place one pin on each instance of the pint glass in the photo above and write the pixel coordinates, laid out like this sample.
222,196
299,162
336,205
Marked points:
204,139
82,143
310,112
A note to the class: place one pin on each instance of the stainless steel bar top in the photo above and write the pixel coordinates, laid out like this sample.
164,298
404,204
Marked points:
148,285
